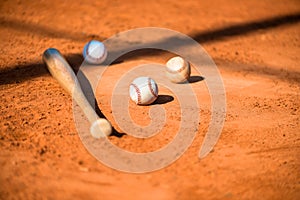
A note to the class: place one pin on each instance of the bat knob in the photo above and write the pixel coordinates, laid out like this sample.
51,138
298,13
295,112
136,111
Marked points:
101,128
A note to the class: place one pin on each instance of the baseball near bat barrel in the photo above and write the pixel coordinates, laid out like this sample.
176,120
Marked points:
63,73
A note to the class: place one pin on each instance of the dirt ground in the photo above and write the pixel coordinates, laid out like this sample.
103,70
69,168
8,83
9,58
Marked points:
256,45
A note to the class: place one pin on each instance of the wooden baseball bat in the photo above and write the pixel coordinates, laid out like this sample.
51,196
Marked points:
63,73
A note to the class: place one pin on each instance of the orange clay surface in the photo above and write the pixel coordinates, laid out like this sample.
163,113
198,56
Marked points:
256,46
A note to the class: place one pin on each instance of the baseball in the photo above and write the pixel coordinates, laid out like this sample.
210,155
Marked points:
143,90
94,52
178,70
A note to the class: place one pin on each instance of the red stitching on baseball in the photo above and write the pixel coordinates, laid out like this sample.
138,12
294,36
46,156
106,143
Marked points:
138,92
150,87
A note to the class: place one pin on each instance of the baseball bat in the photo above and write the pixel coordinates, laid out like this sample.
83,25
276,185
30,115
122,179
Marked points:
63,73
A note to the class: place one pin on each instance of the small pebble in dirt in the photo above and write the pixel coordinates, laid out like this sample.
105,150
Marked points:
43,150
84,169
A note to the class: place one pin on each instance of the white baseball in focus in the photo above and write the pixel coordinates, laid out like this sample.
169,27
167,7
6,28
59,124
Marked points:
143,90
100,128
94,52
178,70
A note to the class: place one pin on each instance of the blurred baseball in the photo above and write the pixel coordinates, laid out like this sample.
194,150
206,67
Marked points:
94,52
143,90
178,70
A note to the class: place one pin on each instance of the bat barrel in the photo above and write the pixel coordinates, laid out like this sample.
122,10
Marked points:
60,69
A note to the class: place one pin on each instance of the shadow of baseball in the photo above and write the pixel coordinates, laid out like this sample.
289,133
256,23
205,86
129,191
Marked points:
194,79
163,99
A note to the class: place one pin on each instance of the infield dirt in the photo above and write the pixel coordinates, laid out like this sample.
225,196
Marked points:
256,46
